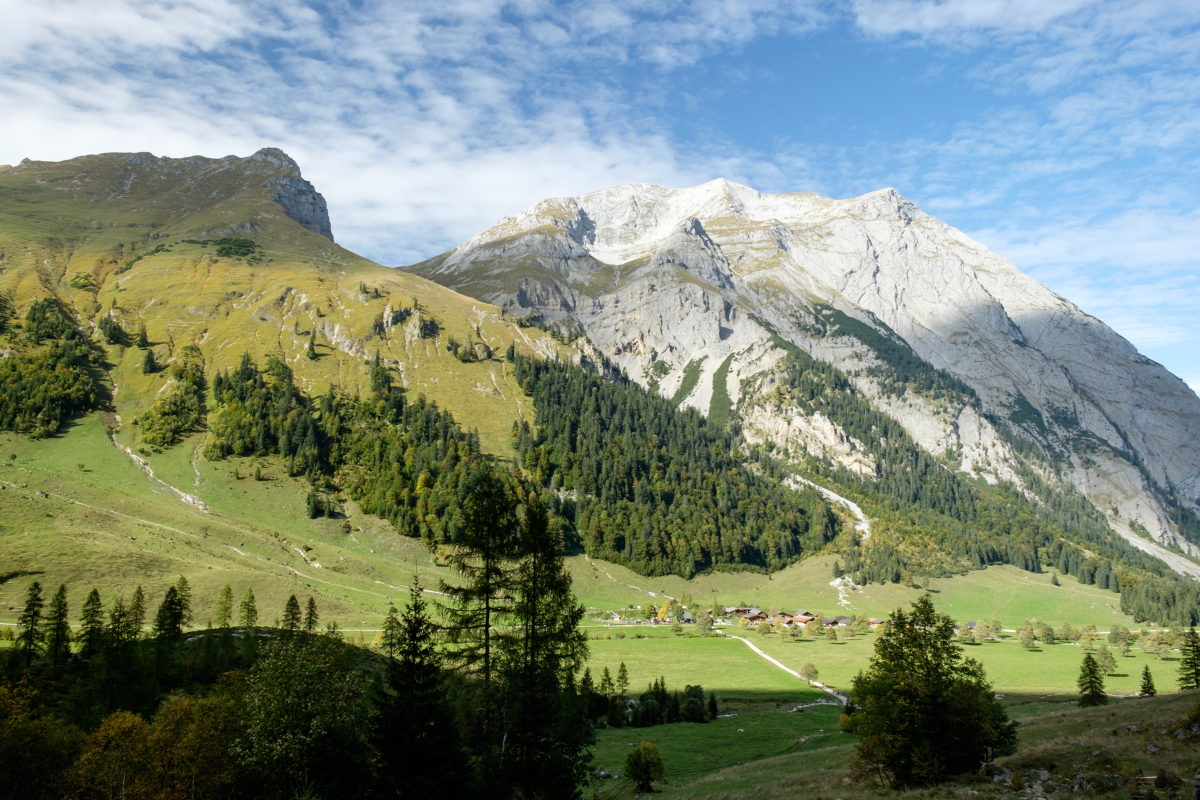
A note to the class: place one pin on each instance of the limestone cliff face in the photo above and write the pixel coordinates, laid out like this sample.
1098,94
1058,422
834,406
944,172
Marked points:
299,198
660,279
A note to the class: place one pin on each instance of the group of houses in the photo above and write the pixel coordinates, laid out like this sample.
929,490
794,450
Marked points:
756,615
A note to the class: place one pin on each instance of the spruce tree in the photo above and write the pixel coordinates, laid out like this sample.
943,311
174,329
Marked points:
143,341
712,705
137,609
622,683
291,615
91,624
546,725
168,622
311,350
1147,689
1189,661
224,612
478,612
1091,683
149,365
59,634
312,619
392,633
185,599
248,611
30,634
416,734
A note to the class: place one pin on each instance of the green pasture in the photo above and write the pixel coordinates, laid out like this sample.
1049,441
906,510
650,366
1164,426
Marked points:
1051,669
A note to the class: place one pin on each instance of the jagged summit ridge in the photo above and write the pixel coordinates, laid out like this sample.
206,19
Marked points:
661,278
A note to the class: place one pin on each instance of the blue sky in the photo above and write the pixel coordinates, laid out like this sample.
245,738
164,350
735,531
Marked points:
1064,134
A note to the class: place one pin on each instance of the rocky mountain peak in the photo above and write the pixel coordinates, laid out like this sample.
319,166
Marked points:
671,283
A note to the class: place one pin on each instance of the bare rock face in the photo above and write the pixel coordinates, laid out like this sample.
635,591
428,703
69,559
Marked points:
299,198
718,275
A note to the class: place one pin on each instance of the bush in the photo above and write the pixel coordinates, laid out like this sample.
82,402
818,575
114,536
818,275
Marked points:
644,765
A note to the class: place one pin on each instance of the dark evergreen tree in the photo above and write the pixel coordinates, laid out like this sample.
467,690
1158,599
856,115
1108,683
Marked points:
137,609
58,633
30,634
143,341
416,734
546,725
1147,689
312,619
1189,661
392,633
923,712
1091,683
480,607
291,616
185,600
149,365
311,350
248,610
91,626
168,622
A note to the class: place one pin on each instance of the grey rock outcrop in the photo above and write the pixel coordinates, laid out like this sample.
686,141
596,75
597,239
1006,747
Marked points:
299,198
660,279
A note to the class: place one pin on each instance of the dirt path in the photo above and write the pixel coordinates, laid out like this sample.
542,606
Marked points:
630,585
841,698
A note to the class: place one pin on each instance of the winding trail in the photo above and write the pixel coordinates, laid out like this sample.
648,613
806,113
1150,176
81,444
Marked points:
841,698
630,585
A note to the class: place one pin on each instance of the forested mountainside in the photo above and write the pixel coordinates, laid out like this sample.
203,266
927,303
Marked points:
240,321
697,294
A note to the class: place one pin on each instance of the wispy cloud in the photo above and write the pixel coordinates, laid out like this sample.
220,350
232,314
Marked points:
423,122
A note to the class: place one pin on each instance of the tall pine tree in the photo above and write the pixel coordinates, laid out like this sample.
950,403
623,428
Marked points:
416,734
291,615
1189,661
312,619
547,729
30,634
91,625
58,635
1091,683
479,608
1147,689
224,612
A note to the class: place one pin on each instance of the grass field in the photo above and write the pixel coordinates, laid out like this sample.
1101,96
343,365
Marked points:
767,750
1051,669
1004,593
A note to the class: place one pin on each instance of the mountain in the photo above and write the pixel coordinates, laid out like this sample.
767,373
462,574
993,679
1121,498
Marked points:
171,327
135,238
698,294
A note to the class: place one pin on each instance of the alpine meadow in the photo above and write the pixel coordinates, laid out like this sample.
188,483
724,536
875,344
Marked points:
702,492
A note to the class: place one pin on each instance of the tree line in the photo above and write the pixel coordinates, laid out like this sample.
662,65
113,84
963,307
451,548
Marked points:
477,697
